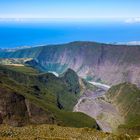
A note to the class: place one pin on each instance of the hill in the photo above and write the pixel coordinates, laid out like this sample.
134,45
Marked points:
38,98
126,98
111,64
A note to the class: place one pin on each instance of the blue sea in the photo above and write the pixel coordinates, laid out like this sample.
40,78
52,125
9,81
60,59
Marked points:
20,34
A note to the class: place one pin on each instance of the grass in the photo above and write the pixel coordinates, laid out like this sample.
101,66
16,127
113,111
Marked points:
23,69
53,132
50,87
126,97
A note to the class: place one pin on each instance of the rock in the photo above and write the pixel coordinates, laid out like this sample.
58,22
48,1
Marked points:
15,110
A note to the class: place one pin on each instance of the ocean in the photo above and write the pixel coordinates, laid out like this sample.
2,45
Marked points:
24,34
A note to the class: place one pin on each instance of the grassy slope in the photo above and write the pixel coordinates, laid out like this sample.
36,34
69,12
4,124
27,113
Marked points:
53,132
126,97
23,69
18,64
50,85
46,99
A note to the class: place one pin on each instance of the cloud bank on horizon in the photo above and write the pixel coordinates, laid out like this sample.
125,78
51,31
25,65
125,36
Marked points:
133,20
128,9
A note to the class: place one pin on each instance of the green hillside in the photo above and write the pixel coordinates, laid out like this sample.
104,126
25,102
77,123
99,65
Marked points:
126,97
45,91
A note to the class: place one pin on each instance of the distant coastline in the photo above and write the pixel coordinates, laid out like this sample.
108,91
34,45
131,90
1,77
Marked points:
133,43
15,35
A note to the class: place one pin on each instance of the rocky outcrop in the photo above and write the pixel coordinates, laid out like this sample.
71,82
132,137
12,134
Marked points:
15,110
72,81
107,63
37,115
93,103
12,108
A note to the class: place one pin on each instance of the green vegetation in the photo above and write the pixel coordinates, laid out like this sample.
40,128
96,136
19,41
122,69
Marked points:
10,61
18,64
126,97
47,92
53,132
23,69
72,81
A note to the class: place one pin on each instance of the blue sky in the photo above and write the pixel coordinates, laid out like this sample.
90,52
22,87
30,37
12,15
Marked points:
69,8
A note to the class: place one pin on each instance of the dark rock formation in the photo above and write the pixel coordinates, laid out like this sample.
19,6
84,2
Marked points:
15,110
72,80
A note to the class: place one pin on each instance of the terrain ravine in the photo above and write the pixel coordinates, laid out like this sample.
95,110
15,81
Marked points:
97,106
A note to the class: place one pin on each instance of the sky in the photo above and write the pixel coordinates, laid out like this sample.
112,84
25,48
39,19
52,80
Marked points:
70,9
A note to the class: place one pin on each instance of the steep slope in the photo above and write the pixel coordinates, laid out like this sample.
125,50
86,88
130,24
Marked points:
111,64
16,110
126,97
95,105
37,98
72,80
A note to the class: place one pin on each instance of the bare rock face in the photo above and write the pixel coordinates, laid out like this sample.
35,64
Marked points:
12,108
15,110
112,64
109,63
105,114
38,115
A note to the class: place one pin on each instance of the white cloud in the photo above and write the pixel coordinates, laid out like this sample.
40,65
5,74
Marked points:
133,20
133,43
129,43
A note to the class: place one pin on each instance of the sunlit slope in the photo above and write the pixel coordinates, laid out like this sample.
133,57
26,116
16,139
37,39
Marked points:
38,98
53,132
126,97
